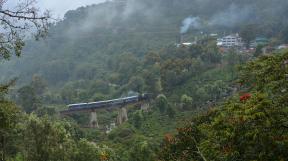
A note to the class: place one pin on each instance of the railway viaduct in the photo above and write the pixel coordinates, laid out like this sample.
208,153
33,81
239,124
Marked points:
120,104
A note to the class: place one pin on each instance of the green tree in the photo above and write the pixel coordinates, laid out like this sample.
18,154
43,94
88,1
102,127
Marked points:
196,50
186,101
232,58
202,94
137,119
68,94
86,151
46,140
9,115
136,84
211,54
28,99
162,103
142,151
152,79
171,112
151,58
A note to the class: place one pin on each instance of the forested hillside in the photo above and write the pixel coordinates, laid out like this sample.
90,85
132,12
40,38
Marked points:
208,104
89,39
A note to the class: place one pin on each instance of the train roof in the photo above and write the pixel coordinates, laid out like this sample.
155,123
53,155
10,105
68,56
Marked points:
97,102
77,104
106,101
124,98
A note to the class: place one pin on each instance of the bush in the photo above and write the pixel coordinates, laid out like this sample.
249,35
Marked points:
162,103
186,101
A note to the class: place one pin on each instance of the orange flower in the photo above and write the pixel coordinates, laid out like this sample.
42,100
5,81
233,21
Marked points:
168,138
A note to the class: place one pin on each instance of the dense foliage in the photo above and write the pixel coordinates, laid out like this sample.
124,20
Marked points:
254,128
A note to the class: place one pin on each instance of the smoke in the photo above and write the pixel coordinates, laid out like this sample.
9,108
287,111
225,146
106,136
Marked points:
187,23
231,17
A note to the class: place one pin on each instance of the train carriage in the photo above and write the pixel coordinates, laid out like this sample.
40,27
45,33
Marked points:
108,103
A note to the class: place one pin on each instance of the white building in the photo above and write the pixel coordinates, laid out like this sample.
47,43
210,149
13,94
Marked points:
230,41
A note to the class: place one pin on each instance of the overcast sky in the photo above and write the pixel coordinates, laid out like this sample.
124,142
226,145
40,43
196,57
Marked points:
60,7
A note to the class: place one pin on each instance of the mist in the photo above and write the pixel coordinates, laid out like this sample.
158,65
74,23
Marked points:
114,15
233,16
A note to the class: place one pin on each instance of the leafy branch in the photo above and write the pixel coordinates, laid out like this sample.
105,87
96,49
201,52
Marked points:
18,24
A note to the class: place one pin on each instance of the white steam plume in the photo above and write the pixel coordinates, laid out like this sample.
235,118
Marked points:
190,22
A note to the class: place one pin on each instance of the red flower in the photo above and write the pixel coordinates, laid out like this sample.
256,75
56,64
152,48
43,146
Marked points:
245,97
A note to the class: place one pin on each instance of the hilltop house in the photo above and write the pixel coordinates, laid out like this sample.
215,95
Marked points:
230,41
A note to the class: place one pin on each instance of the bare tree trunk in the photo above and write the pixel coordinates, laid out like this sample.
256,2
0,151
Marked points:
199,151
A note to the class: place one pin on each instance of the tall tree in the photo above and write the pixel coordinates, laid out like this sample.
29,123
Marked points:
162,103
17,23
46,140
8,119
28,99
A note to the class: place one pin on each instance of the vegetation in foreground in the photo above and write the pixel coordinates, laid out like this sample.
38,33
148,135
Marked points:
243,128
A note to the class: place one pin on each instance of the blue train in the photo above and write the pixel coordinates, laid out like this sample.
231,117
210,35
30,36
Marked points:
109,103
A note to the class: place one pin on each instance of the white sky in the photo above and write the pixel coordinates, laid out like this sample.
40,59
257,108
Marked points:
59,7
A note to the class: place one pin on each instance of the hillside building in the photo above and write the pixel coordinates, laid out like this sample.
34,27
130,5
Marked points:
230,41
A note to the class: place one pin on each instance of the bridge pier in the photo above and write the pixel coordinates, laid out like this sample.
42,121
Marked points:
108,104
93,119
145,107
122,116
